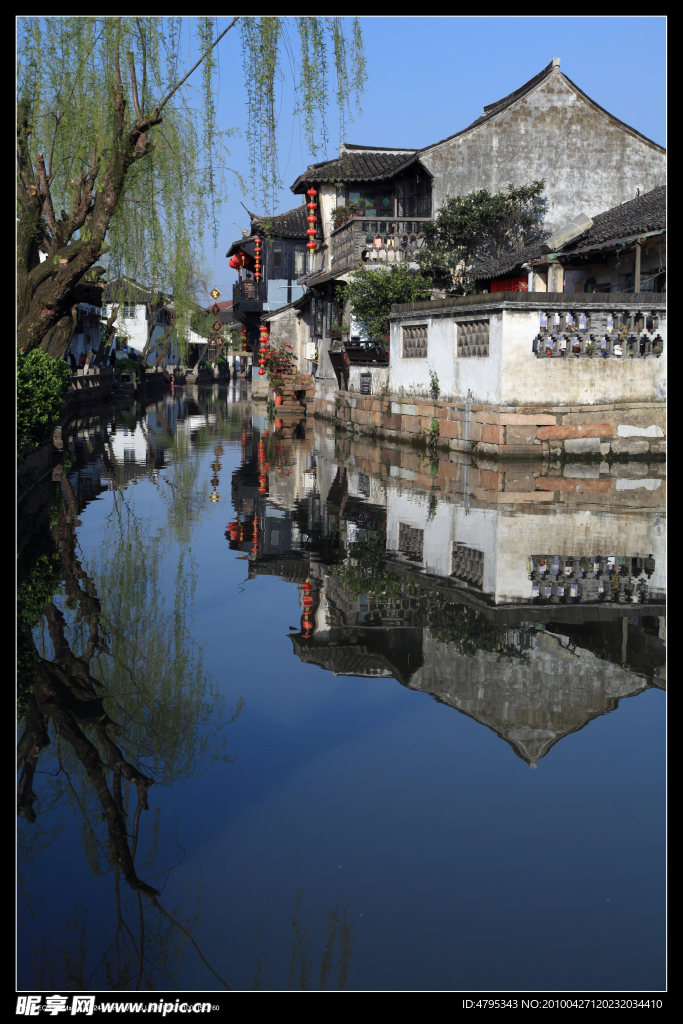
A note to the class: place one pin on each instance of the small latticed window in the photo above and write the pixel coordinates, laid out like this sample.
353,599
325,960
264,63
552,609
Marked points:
473,338
415,342
410,542
467,564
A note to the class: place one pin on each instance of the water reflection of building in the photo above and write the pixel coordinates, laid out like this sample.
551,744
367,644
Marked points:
548,664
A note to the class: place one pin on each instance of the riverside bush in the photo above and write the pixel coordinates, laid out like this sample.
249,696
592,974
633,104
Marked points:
42,384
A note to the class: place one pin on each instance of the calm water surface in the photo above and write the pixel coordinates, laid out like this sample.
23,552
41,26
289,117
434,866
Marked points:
301,700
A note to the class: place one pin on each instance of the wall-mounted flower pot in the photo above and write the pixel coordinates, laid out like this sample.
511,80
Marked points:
278,399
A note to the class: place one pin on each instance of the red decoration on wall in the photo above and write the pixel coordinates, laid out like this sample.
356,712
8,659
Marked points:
510,284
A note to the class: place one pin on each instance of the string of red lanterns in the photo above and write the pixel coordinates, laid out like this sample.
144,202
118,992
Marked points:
257,258
312,219
263,350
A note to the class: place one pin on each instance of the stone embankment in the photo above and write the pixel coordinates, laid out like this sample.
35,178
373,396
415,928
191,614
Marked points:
614,430
298,393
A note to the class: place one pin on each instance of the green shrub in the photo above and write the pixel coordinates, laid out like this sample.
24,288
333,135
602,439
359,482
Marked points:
42,384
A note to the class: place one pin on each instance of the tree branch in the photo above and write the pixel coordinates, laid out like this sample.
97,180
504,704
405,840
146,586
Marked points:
134,86
48,208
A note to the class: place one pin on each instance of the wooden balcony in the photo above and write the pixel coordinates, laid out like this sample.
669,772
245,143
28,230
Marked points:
388,240
249,293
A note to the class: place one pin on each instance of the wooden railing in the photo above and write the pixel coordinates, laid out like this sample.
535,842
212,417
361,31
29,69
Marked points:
390,240
586,333
249,291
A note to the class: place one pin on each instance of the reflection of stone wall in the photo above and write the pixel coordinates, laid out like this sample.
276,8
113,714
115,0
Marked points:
533,705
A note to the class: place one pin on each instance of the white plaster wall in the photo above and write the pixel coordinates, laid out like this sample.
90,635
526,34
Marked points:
512,374
379,375
457,375
480,375
327,204
528,380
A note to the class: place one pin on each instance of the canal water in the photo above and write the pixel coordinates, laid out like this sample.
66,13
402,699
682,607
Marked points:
303,720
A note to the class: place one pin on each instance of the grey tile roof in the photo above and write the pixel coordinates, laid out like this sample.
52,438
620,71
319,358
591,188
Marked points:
356,167
365,163
290,224
637,216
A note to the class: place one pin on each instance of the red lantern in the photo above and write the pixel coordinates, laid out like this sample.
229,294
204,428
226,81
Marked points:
311,245
311,192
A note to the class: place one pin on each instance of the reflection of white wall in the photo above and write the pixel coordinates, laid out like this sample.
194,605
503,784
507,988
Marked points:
129,444
507,539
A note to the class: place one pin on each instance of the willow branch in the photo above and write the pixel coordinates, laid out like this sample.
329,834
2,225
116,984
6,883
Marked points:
156,903
163,103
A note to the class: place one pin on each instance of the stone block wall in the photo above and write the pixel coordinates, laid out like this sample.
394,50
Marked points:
617,429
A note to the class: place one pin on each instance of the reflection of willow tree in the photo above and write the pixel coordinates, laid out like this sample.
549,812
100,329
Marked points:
365,572
121,699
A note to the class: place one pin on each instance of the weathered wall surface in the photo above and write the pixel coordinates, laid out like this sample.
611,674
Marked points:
590,162
527,379
512,374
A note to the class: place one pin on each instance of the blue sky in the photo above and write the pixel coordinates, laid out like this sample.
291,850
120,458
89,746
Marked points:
430,77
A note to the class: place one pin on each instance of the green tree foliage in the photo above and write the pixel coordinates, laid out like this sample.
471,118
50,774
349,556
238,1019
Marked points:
42,384
373,291
479,226
117,162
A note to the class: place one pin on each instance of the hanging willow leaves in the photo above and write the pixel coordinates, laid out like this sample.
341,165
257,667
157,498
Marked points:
121,161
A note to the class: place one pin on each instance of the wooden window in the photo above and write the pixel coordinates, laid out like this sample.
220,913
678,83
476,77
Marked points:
317,312
415,342
424,196
473,338
299,260
410,542
413,196
277,262
467,564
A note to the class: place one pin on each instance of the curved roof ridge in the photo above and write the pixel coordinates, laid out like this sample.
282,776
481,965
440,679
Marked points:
517,93
492,109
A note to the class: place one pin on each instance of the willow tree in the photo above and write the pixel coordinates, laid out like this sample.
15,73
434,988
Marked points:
119,158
